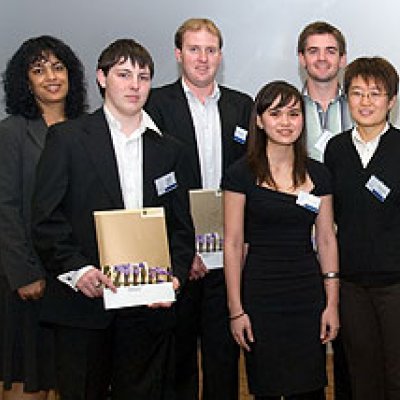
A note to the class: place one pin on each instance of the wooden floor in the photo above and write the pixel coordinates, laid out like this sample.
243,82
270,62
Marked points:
244,394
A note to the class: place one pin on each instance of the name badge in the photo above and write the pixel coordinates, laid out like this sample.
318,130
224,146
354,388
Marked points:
240,135
308,201
166,183
377,188
323,140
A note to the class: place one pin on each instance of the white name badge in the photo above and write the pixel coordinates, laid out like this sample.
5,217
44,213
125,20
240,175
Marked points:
377,188
323,140
213,260
240,135
308,201
166,183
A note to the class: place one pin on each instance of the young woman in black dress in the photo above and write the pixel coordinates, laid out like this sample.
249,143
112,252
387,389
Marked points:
283,302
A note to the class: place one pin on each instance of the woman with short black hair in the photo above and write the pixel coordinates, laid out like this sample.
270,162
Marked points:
364,163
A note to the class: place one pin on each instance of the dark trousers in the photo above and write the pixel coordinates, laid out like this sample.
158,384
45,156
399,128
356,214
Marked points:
202,317
371,336
314,395
130,357
341,375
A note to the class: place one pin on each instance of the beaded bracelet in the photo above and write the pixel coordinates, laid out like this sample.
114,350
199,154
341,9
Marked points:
237,316
331,275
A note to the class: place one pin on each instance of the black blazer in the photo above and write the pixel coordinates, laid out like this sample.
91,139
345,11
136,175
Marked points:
170,110
21,143
78,174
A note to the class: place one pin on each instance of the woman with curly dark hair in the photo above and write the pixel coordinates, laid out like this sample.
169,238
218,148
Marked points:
43,84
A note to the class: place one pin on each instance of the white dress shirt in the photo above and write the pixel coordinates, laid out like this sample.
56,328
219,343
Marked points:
207,126
365,149
129,154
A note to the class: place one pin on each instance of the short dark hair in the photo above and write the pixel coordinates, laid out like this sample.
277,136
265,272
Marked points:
257,142
194,25
373,68
120,51
18,97
320,28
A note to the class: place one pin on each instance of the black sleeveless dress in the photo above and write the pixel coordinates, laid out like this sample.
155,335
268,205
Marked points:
282,287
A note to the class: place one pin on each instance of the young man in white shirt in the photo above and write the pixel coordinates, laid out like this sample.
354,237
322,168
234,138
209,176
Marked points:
107,160
211,121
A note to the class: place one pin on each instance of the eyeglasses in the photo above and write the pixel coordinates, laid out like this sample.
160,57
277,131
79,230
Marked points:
372,95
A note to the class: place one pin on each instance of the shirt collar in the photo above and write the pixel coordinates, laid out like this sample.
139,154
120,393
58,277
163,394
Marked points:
146,122
215,95
339,96
357,137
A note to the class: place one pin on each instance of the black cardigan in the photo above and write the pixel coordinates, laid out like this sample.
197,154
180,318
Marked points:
368,230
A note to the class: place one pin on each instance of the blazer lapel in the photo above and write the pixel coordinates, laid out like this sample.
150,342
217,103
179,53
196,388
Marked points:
151,167
37,129
182,114
98,143
228,119
185,131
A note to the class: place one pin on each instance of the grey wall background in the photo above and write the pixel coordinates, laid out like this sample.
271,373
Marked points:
260,35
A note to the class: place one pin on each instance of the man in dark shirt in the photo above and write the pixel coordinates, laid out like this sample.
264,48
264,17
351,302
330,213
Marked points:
364,163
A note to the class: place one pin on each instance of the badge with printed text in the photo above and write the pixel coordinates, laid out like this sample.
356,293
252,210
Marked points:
323,140
240,135
166,183
377,188
308,201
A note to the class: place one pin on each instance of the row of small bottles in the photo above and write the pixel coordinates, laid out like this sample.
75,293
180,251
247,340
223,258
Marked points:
209,242
133,274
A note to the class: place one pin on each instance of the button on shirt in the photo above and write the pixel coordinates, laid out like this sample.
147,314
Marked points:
207,126
366,149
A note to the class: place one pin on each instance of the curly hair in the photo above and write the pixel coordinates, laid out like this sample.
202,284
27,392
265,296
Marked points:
19,99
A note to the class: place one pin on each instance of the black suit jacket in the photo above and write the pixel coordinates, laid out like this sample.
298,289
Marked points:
78,174
21,142
170,110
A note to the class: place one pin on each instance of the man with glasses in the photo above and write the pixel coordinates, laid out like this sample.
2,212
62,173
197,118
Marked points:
364,163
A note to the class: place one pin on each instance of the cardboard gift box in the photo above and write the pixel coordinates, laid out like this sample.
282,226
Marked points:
134,253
